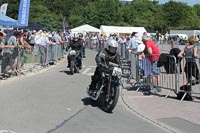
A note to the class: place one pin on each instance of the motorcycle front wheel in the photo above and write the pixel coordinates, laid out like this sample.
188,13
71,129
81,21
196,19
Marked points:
109,101
72,67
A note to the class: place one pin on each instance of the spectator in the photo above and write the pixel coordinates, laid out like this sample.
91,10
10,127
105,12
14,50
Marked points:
13,41
190,52
43,49
1,42
32,38
37,42
82,41
51,51
131,45
94,40
24,46
58,41
7,53
166,37
157,37
152,53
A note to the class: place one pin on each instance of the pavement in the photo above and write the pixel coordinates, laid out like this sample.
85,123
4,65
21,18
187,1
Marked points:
178,116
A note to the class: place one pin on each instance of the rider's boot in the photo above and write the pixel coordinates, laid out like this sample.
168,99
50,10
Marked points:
92,87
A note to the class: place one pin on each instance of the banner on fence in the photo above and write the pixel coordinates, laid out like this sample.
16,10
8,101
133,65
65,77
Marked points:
23,14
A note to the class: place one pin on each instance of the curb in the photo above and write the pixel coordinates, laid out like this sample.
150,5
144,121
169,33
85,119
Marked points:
138,112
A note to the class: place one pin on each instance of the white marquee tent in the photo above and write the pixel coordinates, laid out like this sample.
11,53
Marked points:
121,30
85,28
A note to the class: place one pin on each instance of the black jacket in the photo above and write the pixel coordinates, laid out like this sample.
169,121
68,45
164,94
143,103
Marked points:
76,45
104,56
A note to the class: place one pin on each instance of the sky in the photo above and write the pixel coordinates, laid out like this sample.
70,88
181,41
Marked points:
189,2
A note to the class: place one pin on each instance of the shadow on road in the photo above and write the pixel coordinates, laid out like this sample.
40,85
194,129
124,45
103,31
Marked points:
88,101
68,72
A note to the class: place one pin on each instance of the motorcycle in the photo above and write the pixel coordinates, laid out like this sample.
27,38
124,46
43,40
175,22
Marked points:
107,91
73,62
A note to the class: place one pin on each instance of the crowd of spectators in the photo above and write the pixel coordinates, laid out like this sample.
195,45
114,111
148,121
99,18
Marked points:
52,46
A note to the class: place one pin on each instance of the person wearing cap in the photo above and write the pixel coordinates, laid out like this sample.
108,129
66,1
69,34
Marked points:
152,53
190,52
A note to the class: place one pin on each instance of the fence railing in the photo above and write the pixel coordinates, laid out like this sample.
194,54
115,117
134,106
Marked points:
34,59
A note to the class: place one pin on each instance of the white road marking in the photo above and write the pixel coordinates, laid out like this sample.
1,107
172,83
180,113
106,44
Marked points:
68,109
86,72
140,96
92,66
88,66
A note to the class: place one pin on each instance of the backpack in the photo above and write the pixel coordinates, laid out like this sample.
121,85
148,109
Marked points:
168,63
188,96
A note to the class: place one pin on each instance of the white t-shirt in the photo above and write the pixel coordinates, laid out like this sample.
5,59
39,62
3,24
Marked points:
140,48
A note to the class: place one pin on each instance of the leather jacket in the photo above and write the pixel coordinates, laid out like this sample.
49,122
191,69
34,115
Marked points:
105,56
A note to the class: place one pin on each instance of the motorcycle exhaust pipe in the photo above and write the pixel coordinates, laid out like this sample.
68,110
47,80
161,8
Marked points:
98,93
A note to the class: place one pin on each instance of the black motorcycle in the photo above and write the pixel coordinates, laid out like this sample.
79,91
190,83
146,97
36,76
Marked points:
106,93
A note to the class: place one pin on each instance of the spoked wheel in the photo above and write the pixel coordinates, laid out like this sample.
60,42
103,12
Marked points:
109,101
72,67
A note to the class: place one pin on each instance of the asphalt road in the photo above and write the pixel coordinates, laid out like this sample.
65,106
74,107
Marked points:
53,101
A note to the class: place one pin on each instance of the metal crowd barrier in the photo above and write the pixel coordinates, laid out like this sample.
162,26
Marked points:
173,75
35,59
189,76
141,72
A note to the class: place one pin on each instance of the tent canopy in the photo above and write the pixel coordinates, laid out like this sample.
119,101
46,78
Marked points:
7,21
85,28
121,29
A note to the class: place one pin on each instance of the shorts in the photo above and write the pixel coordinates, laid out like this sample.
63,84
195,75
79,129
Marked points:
155,69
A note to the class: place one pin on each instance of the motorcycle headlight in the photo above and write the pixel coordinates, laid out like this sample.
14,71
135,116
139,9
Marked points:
117,72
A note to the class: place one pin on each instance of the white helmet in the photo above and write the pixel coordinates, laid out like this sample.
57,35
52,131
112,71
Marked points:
112,43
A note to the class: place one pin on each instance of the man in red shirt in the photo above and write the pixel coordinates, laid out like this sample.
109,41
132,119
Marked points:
153,53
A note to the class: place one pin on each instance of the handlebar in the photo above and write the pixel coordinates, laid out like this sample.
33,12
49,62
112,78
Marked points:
113,64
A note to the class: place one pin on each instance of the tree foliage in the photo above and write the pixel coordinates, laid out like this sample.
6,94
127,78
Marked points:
151,15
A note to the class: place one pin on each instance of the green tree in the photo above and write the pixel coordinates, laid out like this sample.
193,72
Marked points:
151,15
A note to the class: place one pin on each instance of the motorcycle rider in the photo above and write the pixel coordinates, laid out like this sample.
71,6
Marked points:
82,41
76,45
110,55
